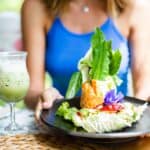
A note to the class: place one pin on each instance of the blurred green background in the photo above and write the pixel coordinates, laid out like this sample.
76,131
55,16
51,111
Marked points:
10,5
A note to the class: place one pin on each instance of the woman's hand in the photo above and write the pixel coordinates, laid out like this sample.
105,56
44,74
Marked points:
46,100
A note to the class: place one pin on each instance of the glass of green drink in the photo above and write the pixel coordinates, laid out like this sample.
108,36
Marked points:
14,81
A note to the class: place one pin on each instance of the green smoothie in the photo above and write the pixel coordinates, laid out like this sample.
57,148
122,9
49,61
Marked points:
13,85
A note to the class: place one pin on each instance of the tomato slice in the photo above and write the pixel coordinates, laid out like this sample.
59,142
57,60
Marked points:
112,108
79,114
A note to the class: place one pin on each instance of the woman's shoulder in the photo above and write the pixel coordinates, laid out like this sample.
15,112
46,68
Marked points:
35,10
33,6
140,11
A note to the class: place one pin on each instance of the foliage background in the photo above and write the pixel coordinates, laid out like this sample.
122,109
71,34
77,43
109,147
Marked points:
10,5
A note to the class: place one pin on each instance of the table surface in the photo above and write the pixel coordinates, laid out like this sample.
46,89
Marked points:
24,118
55,141
49,142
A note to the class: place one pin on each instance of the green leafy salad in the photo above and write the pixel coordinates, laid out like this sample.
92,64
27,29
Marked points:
103,108
93,120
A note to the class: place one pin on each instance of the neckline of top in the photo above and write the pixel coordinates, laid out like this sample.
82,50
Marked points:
108,21
81,34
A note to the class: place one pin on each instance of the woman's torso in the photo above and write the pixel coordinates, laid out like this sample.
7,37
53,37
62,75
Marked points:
64,49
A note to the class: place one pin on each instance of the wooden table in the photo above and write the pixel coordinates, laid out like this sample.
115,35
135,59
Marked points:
49,142
41,141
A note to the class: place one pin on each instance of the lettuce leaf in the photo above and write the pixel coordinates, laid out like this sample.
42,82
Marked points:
115,62
84,65
66,111
100,121
74,85
100,61
100,64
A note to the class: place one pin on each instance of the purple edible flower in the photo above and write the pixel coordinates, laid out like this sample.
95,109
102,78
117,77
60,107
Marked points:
112,97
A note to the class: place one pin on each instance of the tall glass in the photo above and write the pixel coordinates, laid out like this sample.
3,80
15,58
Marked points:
14,82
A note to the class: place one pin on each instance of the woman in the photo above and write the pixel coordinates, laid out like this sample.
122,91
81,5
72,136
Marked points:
57,34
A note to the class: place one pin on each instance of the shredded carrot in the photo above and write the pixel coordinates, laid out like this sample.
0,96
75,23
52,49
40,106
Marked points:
90,97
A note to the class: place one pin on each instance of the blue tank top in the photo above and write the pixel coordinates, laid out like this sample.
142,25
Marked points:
65,48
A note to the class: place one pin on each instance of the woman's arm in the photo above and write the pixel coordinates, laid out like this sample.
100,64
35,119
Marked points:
140,40
33,29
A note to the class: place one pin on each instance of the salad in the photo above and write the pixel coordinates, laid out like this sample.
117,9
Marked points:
102,108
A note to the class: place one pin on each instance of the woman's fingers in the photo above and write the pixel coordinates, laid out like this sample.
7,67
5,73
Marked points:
49,96
38,109
46,101
60,96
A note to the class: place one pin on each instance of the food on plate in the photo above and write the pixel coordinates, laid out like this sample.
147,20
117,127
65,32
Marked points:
103,108
106,119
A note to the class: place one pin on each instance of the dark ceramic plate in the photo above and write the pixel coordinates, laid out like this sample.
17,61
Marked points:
140,128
